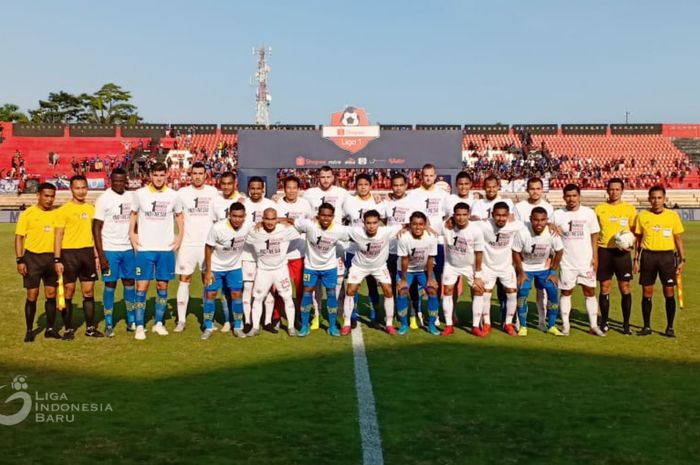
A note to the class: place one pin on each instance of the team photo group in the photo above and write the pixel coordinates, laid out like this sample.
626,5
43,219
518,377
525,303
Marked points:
297,261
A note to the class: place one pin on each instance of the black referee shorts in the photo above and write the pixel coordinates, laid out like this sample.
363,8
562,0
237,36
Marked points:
661,263
613,261
79,264
39,268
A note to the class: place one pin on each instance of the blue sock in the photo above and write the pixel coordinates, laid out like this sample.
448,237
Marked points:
228,307
433,306
354,308
129,298
306,306
522,310
208,313
108,303
552,313
237,310
161,304
331,306
140,308
402,309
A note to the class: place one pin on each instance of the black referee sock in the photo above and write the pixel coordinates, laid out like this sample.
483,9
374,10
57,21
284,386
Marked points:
89,309
626,308
670,311
646,311
29,313
67,314
50,309
604,304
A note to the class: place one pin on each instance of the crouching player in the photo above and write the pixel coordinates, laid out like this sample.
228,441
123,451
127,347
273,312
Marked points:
532,248
222,260
416,252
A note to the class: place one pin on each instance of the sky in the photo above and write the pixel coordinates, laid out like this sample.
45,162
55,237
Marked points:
412,62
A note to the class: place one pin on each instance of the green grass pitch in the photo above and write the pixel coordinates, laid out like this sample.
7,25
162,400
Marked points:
278,400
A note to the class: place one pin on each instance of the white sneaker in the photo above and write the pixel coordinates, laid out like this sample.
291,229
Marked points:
226,328
159,329
180,327
565,331
596,331
206,334
140,333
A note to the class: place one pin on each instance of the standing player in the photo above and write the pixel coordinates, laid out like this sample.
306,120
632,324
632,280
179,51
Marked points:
463,186
535,188
417,250
614,216
222,258
74,255
34,242
482,209
464,248
579,233
197,201
155,210
270,244
532,249
659,233
110,231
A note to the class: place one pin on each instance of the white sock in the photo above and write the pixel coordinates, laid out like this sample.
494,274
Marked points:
290,311
318,299
183,298
389,310
592,309
247,298
269,308
511,306
477,310
257,313
347,310
541,301
486,308
565,310
447,309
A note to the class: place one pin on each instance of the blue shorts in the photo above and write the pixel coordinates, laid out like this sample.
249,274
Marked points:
160,264
539,278
329,278
231,280
122,265
420,276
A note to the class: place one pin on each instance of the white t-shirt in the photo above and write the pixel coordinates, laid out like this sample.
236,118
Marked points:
321,243
454,199
198,210
254,212
524,208
417,250
334,195
114,210
460,245
156,211
398,211
431,202
228,244
372,252
222,205
576,229
296,210
270,248
482,208
536,249
353,209
498,244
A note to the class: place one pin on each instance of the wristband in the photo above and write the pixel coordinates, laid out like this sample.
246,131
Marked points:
20,260
478,275
57,260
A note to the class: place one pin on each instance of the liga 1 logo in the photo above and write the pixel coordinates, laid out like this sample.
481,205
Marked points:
48,407
350,129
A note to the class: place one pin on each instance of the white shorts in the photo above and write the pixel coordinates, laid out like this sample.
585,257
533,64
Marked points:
249,269
507,278
357,274
568,279
188,258
265,279
450,275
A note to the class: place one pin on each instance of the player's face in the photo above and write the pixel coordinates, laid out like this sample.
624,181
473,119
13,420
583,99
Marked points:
325,218
464,185
291,191
534,191
461,217
227,185
269,220
79,190
398,187
371,225
417,227
236,217
427,177
539,222
572,199
118,182
500,217
362,188
46,198
158,179
491,189
615,192
657,200
255,191
325,179
199,175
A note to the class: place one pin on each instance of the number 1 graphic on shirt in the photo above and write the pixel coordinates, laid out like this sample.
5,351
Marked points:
368,245
532,252
267,244
153,206
571,225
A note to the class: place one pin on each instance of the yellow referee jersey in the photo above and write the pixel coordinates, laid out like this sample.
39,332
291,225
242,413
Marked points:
37,227
613,219
77,221
657,229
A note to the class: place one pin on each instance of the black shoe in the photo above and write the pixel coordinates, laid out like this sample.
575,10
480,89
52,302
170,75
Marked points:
68,335
626,330
91,331
270,328
247,327
353,324
670,332
644,332
29,337
605,328
51,333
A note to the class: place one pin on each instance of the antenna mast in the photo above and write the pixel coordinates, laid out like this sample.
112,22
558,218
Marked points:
262,96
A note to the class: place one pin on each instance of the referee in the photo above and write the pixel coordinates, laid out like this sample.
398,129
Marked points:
658,233
75,257
34,238
614,216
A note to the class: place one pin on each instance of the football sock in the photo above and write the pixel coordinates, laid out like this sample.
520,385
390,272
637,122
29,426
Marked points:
552,304
89,309
183,299
626,308
208,313
129,297
306,307
670,310
247,302
161,304
228,305
50,309
347,309
522,310
290,311
646,311
511,305
140,308
256,312
477,310
565,308
433,308
486,308
448,309
331,306
108,303
604,303
29,312
237,311
389,310
67,314
269,308
541,301
592,310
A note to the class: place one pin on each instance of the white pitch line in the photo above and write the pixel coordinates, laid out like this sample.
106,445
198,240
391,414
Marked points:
369,426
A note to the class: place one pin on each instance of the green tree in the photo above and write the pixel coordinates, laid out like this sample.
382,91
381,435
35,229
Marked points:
61,107
10,112
111,105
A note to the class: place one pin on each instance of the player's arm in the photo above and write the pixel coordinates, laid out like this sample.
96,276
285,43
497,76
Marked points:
180,222
97,226
19,253
518,264
680,249
133,235
429,270
209,274
57,245
403,283
554,266
478,281
594,246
